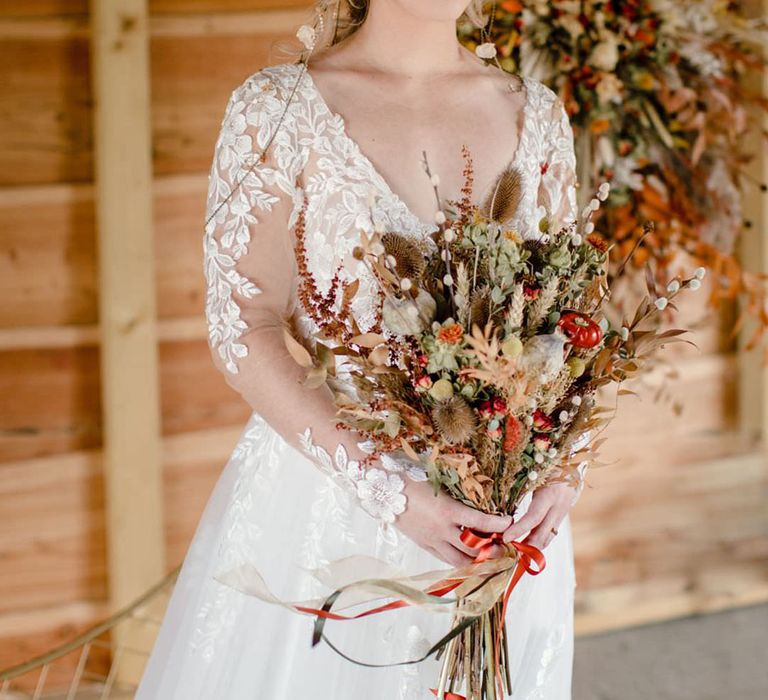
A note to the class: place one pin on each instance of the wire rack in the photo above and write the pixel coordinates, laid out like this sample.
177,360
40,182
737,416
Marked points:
103,663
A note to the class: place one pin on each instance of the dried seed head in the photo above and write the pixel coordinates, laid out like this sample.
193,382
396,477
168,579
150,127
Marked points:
454,420
409,262
480,307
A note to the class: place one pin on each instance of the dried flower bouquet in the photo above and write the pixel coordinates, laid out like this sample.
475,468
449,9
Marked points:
481,369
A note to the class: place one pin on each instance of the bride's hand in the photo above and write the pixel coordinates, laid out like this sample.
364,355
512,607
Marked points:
434,522
549,506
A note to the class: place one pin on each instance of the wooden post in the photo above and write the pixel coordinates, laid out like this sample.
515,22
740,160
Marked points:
131,412
753,385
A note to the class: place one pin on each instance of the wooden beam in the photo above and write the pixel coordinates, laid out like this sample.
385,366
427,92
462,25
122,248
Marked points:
753,249
184,25
168,331
129,355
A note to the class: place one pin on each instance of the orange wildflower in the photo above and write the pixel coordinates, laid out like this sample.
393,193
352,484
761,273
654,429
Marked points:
597,241
451,334
599,126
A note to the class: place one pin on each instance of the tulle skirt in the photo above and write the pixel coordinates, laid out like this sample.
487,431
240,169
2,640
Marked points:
272,508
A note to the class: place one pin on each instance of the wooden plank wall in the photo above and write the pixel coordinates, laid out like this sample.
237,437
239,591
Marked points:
679,526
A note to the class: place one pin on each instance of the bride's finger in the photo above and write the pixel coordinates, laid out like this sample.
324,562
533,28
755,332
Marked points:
448,553
477,520
543,534
535,514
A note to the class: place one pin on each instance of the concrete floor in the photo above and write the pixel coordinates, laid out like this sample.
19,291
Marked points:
722,656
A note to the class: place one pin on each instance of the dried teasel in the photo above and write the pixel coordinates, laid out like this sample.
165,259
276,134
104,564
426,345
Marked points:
409,261
454,420
503,201
480,306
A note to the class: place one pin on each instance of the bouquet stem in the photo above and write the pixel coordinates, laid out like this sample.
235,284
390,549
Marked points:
471,659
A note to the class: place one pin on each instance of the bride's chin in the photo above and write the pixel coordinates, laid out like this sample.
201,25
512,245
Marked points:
433,10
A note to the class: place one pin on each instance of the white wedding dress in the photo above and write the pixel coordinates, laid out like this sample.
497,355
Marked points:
282,503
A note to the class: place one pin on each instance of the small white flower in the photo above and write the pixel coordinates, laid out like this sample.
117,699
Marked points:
661,303
563,416
449,235
576,400
486,51
378,249
533,475
405,284
694,284
391,261
445,255
381,494
552,452
576,239
699,272
603,191
435,180
605,55
589,227
400,465
367,446
603,323
624,333
440,218
673,286
448,280
307,36
594,204
528,420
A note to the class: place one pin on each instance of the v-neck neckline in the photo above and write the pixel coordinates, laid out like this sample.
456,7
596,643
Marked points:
373,172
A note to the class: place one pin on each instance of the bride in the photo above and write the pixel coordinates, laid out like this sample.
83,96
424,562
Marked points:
346,131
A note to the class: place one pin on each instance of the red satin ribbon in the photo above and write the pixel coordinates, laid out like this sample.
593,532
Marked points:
474,539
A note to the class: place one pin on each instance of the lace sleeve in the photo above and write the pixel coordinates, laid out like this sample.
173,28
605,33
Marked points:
254,198
557,187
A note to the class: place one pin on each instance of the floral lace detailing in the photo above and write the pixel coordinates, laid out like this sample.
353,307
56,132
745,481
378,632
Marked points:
581,441
256,459
381,494
404,465
557,188
546,160
556,641
312,155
